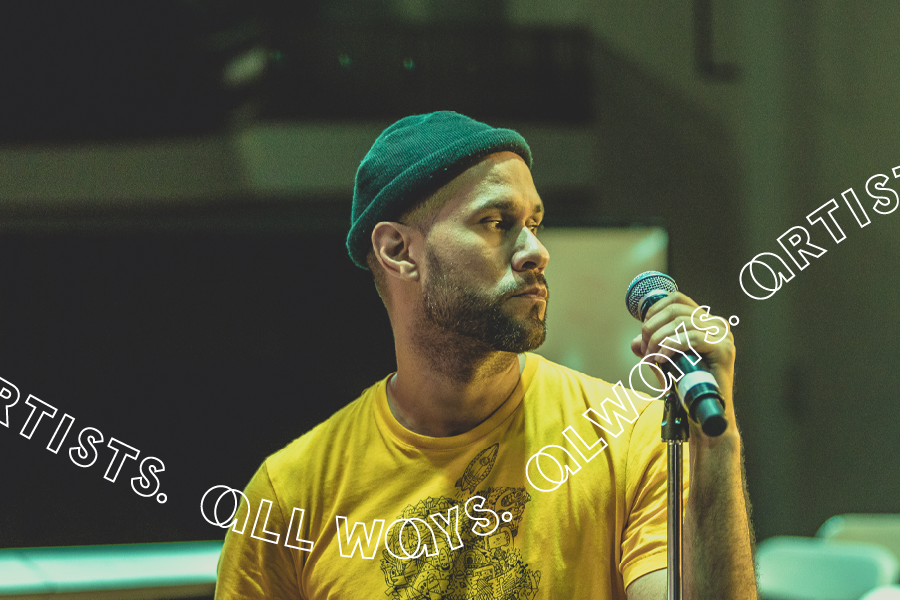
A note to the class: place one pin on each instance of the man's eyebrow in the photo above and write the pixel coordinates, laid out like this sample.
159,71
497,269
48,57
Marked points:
502,204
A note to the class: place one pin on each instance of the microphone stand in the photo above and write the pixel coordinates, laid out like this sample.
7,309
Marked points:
674,432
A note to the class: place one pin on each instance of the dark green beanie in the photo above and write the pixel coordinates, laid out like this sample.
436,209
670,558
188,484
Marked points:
410,160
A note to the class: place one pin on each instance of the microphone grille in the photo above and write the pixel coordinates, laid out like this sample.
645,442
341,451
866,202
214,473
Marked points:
642,285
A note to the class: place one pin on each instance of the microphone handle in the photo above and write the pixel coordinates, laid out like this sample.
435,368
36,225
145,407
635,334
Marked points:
700,396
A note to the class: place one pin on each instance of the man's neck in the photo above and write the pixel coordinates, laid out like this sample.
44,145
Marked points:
433,399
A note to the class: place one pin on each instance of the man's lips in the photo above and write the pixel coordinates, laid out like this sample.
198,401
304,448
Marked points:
538,293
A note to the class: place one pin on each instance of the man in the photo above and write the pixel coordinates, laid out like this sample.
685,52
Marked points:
425,487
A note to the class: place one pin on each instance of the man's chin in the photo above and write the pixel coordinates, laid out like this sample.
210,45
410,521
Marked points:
525,340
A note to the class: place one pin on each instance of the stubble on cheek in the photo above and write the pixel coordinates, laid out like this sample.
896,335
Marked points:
487,318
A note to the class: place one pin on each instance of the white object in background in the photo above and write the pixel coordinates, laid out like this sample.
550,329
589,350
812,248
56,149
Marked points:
883,529
800,568
145,571
588,327
887,592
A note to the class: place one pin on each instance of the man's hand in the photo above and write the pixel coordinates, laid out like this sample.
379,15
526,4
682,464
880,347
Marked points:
661,322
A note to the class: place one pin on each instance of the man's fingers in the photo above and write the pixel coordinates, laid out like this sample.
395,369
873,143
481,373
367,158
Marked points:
649,342
653,338
672,313
636,346
636,349
663,303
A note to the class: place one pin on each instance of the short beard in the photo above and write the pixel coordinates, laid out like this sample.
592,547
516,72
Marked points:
477,325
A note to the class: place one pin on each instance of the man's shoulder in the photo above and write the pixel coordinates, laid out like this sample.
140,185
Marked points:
581,387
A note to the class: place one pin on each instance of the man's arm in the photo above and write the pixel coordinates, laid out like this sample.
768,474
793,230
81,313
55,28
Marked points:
651,586
718,539
251,568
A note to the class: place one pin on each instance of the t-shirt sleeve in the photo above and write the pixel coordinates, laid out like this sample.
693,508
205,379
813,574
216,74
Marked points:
249,567
644,536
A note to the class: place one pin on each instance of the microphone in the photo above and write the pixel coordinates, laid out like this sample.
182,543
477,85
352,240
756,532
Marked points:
697,389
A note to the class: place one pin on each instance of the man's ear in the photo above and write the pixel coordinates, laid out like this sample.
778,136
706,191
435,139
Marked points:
391,241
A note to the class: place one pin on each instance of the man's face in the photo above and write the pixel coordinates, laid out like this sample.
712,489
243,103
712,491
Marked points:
482,253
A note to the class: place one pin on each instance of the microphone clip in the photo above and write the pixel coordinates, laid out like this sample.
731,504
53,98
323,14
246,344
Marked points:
674,424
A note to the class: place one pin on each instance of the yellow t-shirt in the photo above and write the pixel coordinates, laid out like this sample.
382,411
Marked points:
393,514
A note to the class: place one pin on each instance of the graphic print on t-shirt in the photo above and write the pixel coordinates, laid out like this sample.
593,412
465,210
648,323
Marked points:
486,567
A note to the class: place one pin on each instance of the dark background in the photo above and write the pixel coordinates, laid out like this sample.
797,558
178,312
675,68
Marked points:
207,351
172,268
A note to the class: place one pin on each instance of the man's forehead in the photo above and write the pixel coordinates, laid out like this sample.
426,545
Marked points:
500,181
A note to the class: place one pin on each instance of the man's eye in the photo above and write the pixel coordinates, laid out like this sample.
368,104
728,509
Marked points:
503,225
